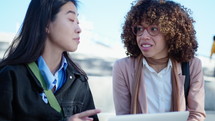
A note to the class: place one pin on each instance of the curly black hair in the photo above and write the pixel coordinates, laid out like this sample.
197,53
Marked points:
174,21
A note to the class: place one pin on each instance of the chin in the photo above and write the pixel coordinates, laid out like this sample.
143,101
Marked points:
147,55
72,49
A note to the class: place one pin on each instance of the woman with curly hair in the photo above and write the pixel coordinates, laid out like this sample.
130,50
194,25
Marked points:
159,35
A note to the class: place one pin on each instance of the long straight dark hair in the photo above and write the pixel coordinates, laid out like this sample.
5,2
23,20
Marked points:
29,44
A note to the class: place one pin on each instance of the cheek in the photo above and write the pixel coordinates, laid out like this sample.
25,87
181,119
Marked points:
137,42
161,40
137,39
163,44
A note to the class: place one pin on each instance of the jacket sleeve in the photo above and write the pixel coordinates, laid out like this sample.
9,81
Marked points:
6,95
196,94
121,93
89,102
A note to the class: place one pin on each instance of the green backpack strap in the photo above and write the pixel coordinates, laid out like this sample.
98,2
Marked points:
51,98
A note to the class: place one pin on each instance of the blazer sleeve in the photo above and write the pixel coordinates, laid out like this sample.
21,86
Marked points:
196,94
121,93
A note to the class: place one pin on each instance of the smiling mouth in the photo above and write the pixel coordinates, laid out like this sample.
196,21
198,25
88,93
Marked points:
146,45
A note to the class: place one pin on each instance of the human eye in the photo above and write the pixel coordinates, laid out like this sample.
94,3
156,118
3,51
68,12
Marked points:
154,28
71,17
72,20
139,28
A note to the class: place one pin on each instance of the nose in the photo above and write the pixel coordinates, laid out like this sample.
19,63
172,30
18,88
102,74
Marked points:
78,29
145,34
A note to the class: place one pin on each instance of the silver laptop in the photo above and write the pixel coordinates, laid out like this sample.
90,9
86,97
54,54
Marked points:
168,116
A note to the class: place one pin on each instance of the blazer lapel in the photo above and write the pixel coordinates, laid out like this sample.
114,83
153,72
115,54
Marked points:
142,92
181,77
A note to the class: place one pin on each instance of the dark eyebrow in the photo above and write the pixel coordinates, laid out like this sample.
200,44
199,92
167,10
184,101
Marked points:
73,12
70,11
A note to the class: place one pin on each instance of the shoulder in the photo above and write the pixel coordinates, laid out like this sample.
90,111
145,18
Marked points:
195,66
124,66
124,61
12,74
12,69
195,62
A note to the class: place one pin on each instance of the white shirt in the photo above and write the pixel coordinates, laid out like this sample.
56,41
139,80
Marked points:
158,88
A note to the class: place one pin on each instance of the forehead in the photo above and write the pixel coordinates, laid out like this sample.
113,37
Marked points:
145,24
68,8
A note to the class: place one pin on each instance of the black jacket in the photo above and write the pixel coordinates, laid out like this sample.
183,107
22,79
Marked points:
20,98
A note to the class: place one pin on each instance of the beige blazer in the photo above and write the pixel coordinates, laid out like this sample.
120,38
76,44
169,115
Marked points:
123,77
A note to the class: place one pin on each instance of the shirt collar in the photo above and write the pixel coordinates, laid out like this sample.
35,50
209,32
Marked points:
49,78
64,64
169,64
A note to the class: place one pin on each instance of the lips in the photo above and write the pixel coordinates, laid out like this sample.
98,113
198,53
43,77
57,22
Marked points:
77,39
146,46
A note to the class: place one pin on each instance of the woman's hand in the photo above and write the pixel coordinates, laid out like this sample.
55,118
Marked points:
84,116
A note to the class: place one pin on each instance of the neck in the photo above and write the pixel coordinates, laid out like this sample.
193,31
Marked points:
53,62
157,64
52,55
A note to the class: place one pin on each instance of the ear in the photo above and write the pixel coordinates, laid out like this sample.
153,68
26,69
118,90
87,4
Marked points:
47,30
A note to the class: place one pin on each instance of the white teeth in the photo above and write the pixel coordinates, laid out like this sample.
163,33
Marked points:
146,45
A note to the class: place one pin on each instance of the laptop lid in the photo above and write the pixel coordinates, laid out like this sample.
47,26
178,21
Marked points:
168,116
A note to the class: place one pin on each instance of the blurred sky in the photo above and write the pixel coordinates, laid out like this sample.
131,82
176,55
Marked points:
103,19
